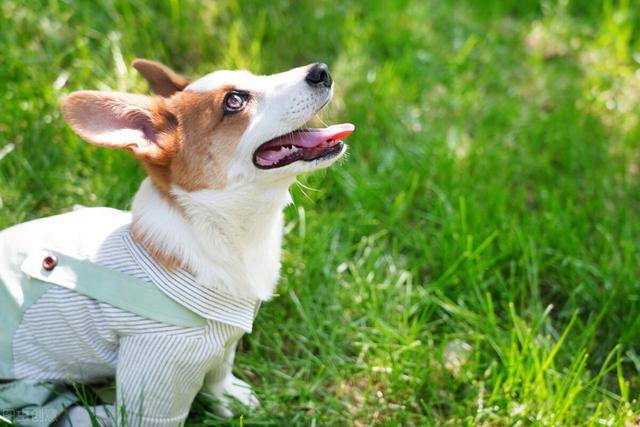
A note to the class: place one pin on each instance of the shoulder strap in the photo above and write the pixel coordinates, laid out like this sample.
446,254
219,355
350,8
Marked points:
112,287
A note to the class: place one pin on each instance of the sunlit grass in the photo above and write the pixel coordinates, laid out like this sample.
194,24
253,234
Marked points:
474,260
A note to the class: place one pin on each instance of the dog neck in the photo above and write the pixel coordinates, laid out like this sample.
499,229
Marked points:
228,239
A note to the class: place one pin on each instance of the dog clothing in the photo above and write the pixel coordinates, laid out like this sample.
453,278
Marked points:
156,331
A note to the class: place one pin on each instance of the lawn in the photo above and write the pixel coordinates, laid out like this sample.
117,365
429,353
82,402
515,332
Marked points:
473,261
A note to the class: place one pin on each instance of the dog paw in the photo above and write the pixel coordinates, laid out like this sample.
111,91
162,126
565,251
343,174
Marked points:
230,389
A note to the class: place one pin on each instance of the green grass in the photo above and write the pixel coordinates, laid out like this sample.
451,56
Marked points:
474,261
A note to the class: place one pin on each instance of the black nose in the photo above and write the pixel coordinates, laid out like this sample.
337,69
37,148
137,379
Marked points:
319,75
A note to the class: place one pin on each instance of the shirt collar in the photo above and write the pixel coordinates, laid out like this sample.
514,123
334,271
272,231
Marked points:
180,286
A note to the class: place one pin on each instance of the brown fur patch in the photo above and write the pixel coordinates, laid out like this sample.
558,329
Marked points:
197,140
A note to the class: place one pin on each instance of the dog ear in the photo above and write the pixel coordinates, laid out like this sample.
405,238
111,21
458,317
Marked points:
163,81
120,120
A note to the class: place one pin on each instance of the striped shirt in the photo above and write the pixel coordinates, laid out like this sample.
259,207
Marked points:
159,368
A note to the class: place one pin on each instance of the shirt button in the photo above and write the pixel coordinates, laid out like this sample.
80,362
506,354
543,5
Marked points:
49,262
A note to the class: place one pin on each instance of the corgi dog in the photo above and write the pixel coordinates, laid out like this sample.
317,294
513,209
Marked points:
221,153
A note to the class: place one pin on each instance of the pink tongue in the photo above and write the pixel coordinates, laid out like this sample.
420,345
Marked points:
311,137
306,138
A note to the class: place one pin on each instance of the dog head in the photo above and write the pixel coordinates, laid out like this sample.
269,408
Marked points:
224,129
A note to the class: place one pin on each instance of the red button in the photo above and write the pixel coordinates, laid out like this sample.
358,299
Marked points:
49,262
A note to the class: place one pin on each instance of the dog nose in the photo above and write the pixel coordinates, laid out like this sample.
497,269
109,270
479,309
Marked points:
319,75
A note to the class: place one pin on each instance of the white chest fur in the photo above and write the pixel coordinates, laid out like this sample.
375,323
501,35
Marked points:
229,239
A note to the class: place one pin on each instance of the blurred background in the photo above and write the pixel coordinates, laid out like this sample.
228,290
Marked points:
475,259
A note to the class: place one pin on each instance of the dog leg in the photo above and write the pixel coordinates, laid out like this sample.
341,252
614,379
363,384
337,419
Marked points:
225,387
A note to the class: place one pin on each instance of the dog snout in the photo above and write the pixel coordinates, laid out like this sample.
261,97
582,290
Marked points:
318,75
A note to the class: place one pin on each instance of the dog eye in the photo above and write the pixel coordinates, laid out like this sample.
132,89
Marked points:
235,101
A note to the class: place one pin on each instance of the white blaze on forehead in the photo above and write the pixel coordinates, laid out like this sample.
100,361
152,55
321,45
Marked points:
241,79
248,81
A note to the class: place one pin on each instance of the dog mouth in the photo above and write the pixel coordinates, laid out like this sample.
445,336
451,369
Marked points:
305,144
